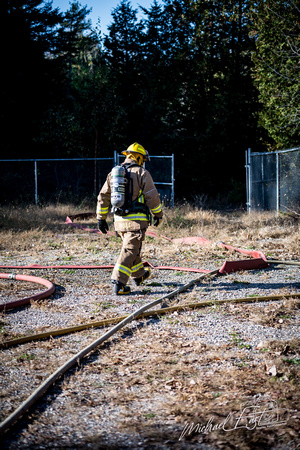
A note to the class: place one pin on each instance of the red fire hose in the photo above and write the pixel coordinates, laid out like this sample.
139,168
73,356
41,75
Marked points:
258,261
25,301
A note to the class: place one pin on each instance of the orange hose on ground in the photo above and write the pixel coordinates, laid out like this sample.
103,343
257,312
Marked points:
24,301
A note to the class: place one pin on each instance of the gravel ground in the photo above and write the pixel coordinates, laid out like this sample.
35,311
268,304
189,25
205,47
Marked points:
103,403
81,297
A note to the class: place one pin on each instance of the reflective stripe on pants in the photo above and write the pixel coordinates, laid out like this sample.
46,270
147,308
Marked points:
129,261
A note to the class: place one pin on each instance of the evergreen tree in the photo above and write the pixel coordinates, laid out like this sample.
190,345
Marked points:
163,80
182,82
222,97
93,99
124,53
179,81
276,70
76,38
30,31
62,130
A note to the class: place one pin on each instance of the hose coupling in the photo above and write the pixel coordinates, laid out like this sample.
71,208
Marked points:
11,276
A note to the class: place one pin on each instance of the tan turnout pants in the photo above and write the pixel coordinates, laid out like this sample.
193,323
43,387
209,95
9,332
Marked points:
129,262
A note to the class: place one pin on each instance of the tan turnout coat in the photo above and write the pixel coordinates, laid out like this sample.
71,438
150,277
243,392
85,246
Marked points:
142,185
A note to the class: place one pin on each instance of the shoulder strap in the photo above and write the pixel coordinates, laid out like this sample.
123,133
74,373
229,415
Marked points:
129,165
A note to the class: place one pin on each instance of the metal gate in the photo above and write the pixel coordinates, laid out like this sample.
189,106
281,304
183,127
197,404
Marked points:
273,180
162,171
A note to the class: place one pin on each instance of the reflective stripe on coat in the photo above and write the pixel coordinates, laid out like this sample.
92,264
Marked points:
143,189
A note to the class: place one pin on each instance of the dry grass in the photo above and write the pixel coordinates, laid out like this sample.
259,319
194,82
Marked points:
20,227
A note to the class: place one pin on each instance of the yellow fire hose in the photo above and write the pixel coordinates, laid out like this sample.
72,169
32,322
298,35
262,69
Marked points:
76,359
157,312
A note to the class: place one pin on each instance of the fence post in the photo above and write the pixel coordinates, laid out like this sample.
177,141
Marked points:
35,182
116,158
262,171
277,183
248,179
173,180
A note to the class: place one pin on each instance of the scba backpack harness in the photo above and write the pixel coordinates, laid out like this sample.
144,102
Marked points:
121,193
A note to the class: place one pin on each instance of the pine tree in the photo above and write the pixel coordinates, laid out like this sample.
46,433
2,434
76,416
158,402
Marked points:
276,72
77,47
30,30
163,80
124,53
223,99
76,39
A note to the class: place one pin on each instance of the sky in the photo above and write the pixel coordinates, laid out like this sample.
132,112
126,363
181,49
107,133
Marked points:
101,8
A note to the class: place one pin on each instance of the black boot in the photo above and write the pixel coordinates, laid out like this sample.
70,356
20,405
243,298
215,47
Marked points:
146,275
120,288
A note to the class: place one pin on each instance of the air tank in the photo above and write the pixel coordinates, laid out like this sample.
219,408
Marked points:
118,183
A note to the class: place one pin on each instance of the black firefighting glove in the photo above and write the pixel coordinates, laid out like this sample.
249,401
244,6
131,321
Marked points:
102,226
157,221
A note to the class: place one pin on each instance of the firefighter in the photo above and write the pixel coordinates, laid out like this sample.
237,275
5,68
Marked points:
142,203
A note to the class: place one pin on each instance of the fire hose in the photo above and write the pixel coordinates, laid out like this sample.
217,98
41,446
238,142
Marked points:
228,267
259,261
157,312
10,420
75,359
26,300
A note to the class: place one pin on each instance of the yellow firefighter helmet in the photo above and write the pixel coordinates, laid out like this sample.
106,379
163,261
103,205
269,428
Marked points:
137,148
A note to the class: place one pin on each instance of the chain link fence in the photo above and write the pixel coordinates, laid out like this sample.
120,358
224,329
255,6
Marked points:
75,180
272,180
